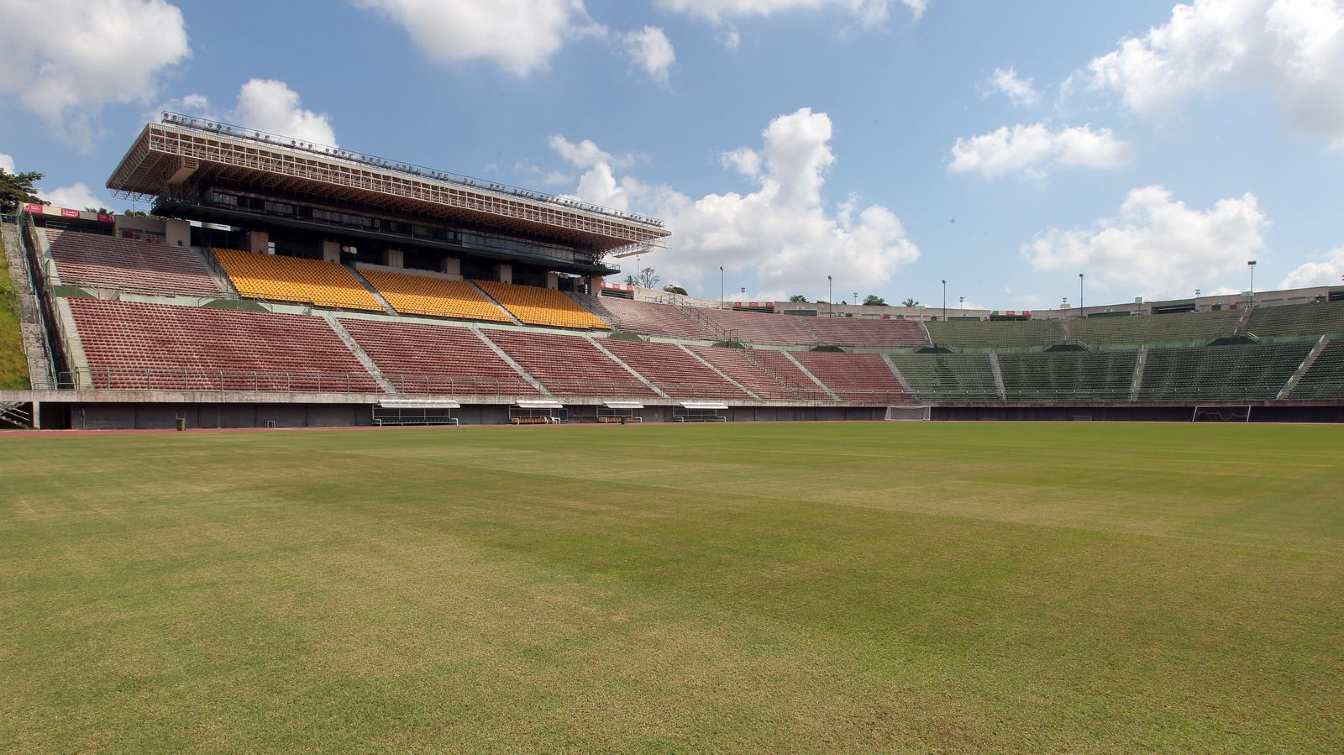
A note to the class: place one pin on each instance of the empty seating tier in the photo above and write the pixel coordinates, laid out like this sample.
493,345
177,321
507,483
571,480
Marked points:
1220,373
143,346
676,372
1068,376
275,278
948,377
1140,329
1298,320
990,333
854,331
759,327
542,306
414,294
652,319
855,377
442,359
1325,379
90,259
768,374
568,365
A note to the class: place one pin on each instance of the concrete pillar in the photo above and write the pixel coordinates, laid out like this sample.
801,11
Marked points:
552,280
177,233
393,258
331,251
504,272
451,266
259,242
595,285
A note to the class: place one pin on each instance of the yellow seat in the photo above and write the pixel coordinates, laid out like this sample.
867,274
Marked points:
542,306
438,297
322,284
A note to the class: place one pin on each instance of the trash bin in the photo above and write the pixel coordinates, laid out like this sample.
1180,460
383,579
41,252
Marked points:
181,424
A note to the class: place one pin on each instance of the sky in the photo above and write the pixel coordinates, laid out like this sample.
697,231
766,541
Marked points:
890,144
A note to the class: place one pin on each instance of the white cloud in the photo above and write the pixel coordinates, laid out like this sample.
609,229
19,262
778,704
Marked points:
269,105
1293,49
520,36
598,183
1157,244
731,39
64,59
1327,271
743,160
75,196
1021,92
650,49
7,164
265,105
781,233
1032,149
870,13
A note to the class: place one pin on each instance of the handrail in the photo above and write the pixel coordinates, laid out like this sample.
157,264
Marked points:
27,257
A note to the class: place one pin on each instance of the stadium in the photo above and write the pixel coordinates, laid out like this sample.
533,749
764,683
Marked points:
358,290
333,452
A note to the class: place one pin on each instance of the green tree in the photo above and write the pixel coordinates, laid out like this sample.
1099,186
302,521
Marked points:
16,188
675,289
798,299
874,300
910,302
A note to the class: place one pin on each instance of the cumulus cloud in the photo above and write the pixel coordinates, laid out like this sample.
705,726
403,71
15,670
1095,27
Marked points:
1021,92
265,105
7,163
64,59
1293,49
76,196
520,36
870,13
1032,149
598,183
1326,271
1156,243
651,50
781,232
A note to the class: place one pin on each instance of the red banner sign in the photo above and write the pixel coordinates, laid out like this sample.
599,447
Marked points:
66,212
34,208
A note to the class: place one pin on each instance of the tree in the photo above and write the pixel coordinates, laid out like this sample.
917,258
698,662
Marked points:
675,289
874,300
798,299
98,210
647,278
910,302
16,188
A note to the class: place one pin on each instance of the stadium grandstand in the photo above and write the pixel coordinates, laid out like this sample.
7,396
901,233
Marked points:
282,283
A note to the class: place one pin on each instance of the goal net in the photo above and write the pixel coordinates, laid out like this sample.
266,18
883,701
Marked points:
908,414
1221,414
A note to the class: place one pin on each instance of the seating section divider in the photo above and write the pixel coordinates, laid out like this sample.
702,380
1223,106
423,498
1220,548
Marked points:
542,306
442,359
768,374
677,373
568,365
413,294
1325,379
856,377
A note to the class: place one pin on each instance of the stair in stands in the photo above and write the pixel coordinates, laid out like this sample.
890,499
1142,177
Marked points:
834,396
512,318
1304,367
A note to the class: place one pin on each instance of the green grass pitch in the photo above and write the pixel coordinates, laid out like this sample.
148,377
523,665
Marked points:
752,587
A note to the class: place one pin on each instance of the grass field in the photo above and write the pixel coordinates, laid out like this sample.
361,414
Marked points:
13,364
811,587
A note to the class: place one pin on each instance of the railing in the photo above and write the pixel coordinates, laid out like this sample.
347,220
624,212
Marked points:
228,129
32,262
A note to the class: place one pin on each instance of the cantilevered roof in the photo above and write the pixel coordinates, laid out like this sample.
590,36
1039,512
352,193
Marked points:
181,149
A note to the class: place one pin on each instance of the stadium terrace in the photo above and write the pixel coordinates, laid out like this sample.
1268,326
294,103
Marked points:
282,283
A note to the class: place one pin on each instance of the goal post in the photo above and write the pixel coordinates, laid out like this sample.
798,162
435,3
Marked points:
909,414
1221,414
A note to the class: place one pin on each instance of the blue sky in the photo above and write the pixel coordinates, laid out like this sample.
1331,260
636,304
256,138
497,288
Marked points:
1156,148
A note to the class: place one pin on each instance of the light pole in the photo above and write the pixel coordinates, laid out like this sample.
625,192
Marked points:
944,300
1080,295
856,297
720,286
961,302
1251,265
830,298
